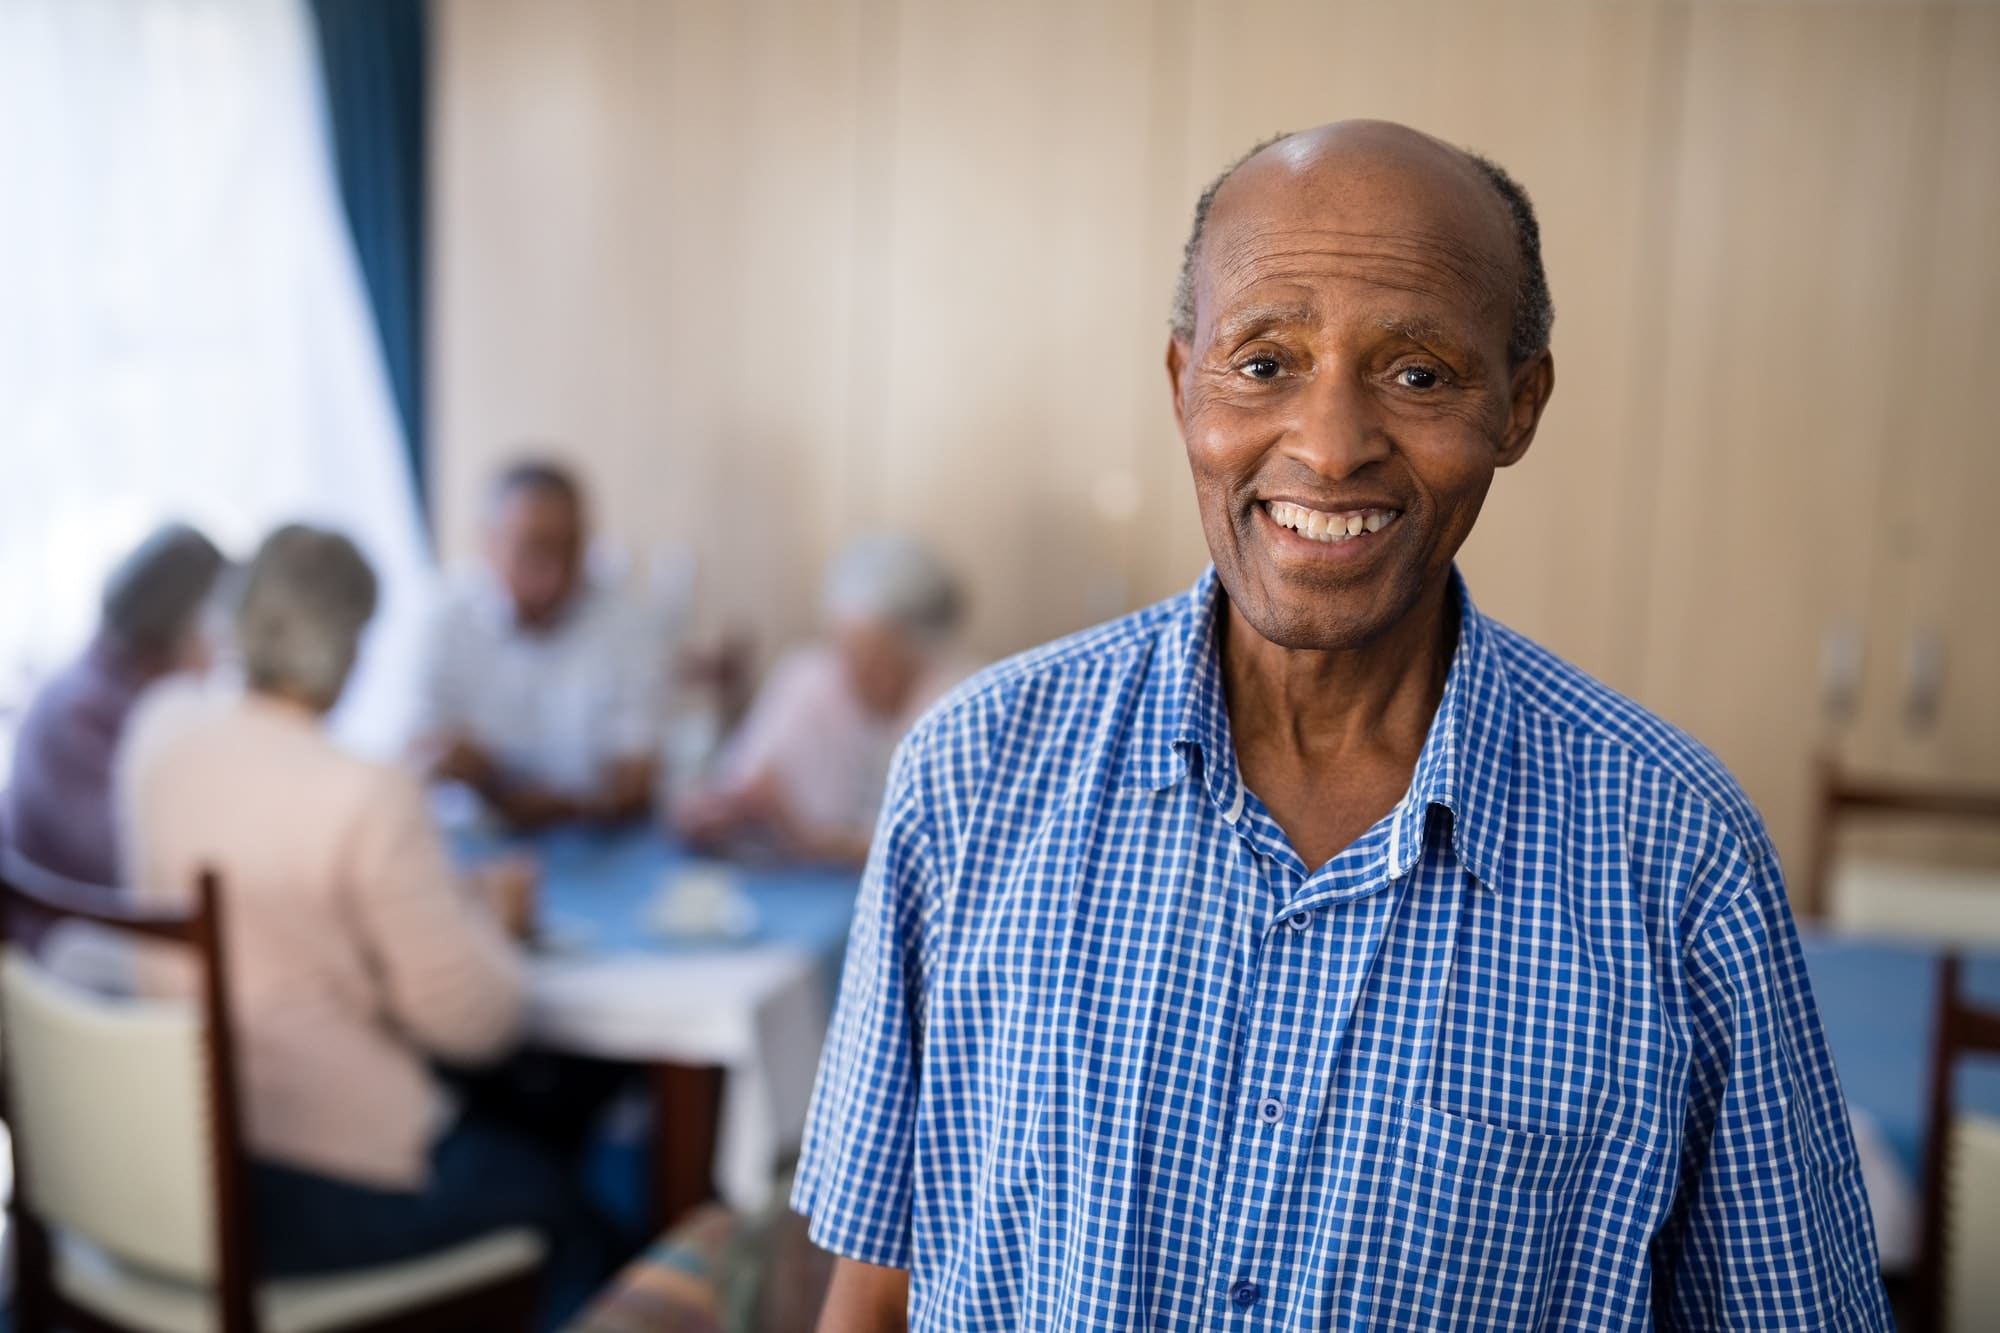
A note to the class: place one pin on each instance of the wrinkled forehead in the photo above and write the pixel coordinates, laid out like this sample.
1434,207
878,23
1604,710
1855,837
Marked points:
1418,228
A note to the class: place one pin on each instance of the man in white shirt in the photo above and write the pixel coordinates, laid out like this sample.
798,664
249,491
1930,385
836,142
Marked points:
542,690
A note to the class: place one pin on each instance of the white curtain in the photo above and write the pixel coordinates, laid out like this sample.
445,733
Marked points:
183,330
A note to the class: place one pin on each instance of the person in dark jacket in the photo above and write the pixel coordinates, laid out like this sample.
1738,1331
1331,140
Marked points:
57,809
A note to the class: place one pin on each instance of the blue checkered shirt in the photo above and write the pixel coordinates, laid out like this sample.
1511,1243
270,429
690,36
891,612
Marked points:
1536,1051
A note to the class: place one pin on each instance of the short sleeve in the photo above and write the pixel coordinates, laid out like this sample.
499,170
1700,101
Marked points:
854,1178
1770,1227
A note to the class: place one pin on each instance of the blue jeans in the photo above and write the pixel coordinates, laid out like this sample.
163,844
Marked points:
485,1174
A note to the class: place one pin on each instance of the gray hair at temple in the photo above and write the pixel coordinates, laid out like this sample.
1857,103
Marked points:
307,597
898,580
155,598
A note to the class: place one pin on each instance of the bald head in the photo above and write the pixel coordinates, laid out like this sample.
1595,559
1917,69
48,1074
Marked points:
1477,219
1351,352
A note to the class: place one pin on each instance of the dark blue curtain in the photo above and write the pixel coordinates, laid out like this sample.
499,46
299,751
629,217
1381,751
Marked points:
375,58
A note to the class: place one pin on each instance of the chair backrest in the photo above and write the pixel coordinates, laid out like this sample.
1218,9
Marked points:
123,1110
110,1118
1964,1029
1843,798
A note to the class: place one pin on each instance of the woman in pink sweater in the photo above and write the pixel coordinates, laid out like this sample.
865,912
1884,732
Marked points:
357,958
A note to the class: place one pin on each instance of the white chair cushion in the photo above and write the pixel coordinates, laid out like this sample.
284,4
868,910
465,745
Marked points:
1972,1226
141,1300
1943,905
141,1185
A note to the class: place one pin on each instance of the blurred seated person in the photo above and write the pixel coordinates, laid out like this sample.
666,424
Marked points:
356,957
806,770
541,692
58,810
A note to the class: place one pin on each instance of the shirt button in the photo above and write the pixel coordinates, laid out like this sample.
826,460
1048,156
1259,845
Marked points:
1299,920
1246,1294
1270,1110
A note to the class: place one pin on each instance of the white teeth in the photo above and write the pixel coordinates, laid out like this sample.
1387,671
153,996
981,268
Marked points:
1326,527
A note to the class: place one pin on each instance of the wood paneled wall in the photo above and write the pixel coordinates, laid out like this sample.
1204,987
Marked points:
780,271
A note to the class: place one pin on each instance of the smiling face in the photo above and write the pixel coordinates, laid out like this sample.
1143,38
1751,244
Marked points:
1346,392
535,544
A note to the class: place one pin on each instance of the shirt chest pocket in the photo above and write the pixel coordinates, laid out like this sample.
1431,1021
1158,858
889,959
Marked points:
1487,1227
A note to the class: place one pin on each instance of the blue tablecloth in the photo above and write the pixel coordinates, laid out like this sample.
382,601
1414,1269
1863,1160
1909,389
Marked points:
598,890
1878,1003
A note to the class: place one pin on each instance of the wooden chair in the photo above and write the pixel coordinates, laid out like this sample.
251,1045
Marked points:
1843,798
130,1209
1947,1282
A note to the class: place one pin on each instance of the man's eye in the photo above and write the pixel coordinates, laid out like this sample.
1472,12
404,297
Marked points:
1261,368
1419,377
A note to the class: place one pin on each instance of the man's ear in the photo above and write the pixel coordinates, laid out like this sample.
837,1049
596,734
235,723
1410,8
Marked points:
1177,359
1530,388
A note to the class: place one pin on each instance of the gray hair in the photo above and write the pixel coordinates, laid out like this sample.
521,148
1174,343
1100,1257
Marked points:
1534,308
155,597
897,579
1181,322
306,599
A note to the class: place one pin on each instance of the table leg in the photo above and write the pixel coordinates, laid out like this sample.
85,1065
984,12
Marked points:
687,1124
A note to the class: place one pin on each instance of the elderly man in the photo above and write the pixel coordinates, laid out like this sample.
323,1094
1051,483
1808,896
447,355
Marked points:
542,693
1310,951
58,810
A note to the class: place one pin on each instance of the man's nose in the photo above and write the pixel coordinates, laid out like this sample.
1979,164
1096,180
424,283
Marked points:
1338,428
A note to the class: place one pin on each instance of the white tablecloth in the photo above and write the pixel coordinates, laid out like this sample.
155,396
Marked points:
759,1013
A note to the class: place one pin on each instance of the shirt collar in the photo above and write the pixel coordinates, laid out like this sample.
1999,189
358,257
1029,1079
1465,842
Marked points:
494,606
1468,758
1463,768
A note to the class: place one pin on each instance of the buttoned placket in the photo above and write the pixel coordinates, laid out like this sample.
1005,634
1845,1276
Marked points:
1324,926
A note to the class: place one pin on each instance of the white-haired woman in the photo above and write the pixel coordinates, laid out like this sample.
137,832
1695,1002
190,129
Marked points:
357,957
808,766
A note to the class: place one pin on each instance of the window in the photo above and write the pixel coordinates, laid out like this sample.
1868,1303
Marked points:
184,332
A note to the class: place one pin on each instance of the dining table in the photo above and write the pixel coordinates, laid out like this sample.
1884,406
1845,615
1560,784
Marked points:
716,979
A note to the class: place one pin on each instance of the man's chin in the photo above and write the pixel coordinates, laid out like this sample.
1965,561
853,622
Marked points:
1316,633
1319,614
